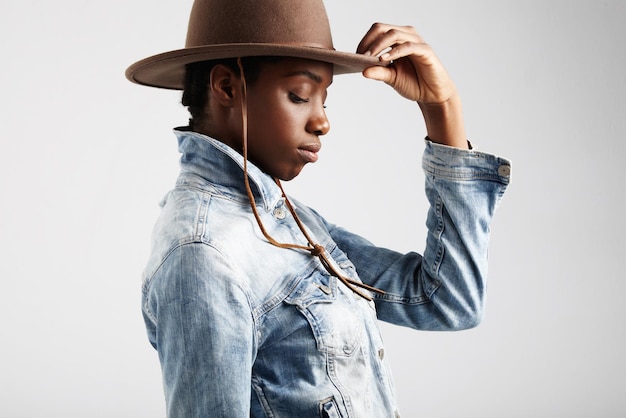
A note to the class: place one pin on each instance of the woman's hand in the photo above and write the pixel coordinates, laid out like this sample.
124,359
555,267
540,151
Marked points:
417,74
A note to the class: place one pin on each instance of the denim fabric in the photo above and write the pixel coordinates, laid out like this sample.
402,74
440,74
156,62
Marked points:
243,328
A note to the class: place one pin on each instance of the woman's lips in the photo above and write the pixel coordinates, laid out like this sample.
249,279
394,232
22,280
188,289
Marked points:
309,152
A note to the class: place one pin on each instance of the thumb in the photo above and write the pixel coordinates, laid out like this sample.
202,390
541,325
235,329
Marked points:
379,73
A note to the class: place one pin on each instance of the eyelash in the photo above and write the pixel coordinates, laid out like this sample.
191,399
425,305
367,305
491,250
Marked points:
297,99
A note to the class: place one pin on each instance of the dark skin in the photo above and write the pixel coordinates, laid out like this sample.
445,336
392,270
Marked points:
286,115
418,75
285,105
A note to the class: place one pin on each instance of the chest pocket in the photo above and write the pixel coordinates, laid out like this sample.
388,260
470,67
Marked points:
328,409
331,313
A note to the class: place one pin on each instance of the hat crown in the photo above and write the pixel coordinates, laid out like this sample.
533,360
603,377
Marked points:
287,22
221,29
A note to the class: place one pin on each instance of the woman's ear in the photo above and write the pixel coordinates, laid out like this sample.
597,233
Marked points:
223,85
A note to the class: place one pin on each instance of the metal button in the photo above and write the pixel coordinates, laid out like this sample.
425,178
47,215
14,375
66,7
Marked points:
504,170
279,213
381,353
324,289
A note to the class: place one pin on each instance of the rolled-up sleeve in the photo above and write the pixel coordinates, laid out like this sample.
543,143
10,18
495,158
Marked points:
445,288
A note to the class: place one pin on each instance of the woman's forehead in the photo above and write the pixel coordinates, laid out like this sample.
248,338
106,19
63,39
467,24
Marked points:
317,71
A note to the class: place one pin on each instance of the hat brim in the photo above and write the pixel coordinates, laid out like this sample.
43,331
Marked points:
167,70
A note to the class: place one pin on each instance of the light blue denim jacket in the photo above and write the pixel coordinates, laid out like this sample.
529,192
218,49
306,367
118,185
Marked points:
243,328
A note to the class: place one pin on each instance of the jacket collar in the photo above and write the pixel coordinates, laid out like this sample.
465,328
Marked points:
221,165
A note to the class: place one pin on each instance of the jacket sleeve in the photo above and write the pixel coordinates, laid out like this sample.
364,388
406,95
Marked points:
199,320
445,288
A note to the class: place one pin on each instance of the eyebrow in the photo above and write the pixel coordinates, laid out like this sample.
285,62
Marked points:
306,73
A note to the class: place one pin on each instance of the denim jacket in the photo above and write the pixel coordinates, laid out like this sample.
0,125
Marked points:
243,328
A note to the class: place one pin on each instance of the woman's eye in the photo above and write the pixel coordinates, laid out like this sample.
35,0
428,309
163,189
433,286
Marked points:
297,99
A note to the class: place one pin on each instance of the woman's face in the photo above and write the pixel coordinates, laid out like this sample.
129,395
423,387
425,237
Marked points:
286,115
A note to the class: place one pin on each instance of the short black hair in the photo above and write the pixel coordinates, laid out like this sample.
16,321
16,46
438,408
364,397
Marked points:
197,75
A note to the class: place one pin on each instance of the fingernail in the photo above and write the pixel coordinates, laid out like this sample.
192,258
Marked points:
384,57
368,53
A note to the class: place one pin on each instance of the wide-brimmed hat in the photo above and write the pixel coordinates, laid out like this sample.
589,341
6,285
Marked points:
240,28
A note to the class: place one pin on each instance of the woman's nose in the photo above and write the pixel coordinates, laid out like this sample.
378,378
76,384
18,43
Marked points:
319,124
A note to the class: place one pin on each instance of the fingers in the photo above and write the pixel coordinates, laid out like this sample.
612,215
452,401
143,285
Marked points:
416,72
385,74
382,39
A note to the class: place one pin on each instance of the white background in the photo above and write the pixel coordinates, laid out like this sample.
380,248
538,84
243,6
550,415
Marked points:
85,157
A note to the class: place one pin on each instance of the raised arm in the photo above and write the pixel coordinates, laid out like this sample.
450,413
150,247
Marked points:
417,74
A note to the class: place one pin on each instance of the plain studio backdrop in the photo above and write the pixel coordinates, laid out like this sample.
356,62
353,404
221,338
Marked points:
86,156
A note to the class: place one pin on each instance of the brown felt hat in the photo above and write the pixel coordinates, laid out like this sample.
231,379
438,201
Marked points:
240,28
